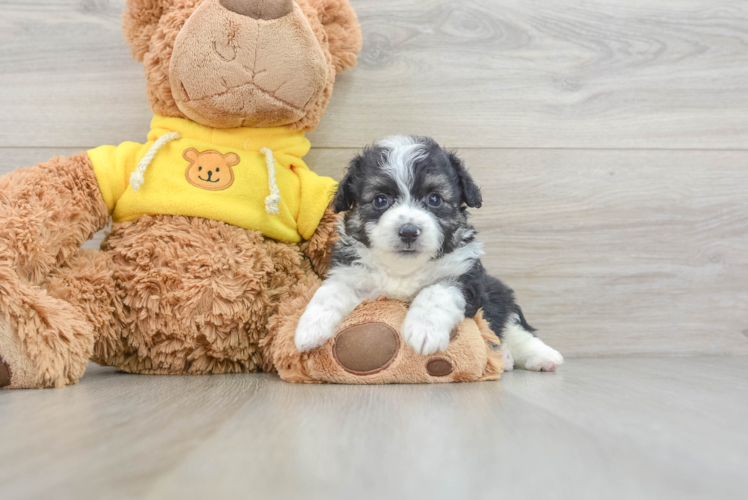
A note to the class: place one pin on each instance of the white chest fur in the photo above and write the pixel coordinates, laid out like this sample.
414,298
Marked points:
396,287
403,278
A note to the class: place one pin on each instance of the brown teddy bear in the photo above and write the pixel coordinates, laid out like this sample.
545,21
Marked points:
220,230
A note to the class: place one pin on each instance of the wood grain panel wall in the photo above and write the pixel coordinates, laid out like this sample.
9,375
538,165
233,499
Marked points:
610,138
478,73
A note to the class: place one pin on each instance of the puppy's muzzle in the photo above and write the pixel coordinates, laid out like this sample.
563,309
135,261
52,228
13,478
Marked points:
409,233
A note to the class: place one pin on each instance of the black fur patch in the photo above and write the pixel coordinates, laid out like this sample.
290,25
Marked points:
439,172
482,291
434,171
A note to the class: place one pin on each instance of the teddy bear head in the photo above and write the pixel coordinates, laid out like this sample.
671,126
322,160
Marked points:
242,63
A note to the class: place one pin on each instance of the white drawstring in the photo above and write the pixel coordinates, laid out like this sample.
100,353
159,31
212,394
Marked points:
137,178
272,201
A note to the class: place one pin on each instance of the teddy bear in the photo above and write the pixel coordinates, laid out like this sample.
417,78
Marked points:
220,231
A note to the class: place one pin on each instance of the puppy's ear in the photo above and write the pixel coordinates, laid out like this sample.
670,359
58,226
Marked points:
470,191
345,198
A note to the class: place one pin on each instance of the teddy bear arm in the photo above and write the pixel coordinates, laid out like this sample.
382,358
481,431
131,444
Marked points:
47,212
318,248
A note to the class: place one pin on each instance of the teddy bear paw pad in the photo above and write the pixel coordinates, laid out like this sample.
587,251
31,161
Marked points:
439,367
366,349
4,375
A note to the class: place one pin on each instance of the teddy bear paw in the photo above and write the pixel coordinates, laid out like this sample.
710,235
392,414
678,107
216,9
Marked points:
371,348
366,349
5,374
17,370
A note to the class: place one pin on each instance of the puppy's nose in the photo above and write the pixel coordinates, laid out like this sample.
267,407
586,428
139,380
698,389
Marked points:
260,9
409,232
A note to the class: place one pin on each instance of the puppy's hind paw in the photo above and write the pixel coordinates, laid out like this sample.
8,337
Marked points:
545,359
506,356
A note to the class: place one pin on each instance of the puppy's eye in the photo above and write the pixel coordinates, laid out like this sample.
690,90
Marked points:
435,200
200,169
381,201
218,170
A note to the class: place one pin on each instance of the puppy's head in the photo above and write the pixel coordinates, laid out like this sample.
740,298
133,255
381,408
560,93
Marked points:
407,198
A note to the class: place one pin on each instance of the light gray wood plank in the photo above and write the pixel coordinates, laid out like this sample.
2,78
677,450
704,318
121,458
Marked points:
614,429
111,435
66,75
484,73
568,74
611,253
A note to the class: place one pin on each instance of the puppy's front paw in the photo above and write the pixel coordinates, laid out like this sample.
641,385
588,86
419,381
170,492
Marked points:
544,359
424,334
314,329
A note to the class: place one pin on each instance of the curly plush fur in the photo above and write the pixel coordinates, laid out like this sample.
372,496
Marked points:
47,213
165,294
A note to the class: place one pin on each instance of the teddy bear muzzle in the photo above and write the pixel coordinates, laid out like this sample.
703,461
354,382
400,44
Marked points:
259,9
247,63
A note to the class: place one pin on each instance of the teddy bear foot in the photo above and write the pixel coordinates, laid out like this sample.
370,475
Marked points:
369,349
25,368
11,354
5,375
366,349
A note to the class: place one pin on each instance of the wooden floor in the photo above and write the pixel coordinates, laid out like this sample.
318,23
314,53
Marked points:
670,428
610,138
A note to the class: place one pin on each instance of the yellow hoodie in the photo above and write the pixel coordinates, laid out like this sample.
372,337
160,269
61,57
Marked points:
222,174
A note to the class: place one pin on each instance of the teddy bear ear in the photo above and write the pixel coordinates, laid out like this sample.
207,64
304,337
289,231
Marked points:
232,159
343,31
139,21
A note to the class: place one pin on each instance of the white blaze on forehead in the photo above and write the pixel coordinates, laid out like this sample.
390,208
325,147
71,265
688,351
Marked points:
402,153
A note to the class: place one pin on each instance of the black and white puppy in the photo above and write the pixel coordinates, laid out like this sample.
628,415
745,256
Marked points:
406,236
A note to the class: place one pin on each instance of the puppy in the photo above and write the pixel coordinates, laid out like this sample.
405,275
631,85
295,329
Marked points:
406,236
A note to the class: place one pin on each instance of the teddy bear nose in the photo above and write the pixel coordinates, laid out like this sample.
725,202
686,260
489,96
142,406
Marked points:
260,9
